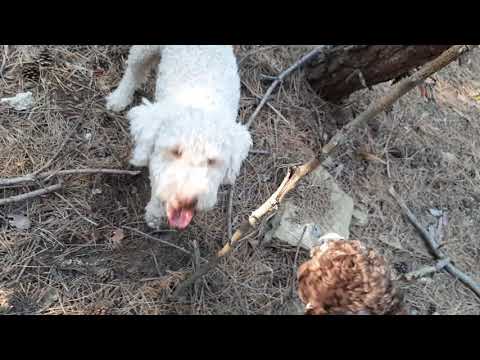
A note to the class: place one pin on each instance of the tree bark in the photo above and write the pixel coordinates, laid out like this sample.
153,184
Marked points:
344,69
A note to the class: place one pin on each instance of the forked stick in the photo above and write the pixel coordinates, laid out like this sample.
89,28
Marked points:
433,246
51,188
31,194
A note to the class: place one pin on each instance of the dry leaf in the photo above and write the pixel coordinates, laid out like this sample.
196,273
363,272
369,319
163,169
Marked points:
20,222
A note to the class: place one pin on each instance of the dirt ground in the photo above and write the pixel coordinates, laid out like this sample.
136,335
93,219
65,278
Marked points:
88,251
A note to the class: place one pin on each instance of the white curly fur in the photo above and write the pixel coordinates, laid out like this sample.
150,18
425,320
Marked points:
195,109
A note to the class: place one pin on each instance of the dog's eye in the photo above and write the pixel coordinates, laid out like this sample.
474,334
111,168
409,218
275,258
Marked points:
176,152
212,162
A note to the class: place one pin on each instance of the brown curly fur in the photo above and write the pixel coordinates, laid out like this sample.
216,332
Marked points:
344,277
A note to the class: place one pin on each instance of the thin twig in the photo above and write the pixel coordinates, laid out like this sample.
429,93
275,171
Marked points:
148,236
75,209
257,51
433,246
279,114
295,261
298,248
25,266
229,211
62,146
196,253
32,177
22,270
31,194
295,174
4,59
417,274
196,262
309,56
260,152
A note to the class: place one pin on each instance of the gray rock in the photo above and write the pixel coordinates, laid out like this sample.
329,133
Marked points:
289,223
22,101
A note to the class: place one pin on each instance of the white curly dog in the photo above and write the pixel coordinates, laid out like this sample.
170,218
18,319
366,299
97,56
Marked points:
188,137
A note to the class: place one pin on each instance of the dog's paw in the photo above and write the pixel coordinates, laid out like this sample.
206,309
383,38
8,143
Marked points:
138,162
153,222
117,102
153,219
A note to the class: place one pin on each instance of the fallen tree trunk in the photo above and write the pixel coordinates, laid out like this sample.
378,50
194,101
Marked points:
344,69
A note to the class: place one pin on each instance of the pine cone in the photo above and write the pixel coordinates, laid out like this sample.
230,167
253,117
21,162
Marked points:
31,72
45,58
345,277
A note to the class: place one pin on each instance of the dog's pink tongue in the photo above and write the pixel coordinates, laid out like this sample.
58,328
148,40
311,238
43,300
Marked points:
180,218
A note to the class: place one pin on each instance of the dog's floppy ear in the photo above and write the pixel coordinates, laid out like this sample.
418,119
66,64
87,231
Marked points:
141,122
240,143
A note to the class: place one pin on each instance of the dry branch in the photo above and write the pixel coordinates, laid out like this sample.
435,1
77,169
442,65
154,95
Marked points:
417,274
45,175
433,246
278,79
40,174
229,211
59,185
31,194
295,174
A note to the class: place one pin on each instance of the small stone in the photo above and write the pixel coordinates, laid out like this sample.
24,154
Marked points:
436,212
21,101
20,222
